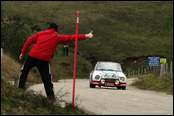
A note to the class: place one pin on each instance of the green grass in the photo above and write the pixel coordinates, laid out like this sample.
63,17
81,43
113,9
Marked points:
148,82
12,103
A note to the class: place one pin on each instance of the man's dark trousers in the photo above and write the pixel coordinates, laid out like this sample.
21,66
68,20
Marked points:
45,72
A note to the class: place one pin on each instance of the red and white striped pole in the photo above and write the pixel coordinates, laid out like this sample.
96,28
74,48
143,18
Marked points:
75,57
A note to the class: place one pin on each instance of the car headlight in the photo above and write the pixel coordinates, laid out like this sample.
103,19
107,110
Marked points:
102,81
122,79
116,81
97,77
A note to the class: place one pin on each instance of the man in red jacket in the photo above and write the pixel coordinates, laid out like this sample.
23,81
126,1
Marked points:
40,55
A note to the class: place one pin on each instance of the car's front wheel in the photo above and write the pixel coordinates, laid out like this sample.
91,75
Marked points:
123,88
92,85
118,87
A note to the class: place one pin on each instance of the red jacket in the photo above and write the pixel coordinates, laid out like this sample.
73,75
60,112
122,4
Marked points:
46,43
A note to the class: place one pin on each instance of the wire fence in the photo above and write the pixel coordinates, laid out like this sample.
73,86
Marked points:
164,70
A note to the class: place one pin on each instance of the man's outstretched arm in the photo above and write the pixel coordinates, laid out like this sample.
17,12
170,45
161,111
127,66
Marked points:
71,38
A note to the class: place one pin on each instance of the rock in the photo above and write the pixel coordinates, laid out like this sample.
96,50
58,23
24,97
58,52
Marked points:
29,95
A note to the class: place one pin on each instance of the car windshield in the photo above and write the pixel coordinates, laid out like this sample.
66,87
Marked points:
109,66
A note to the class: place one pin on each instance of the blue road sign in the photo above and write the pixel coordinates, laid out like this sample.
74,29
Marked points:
153,61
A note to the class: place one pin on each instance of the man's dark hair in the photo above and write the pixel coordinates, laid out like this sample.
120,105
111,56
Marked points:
53,26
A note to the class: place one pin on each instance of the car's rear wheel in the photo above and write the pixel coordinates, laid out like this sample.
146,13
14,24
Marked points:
92,85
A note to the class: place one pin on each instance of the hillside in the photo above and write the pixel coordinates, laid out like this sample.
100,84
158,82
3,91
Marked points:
10,71
122,29
12,101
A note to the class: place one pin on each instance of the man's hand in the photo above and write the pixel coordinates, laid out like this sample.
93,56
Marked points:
21,56
90,35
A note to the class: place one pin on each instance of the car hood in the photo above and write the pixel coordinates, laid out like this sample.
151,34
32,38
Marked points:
110,73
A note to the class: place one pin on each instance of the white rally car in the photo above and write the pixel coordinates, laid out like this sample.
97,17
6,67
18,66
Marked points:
108,74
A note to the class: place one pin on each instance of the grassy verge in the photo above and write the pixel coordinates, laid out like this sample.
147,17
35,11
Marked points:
12,103
148,82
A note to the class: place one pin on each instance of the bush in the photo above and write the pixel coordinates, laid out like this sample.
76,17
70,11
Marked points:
14,34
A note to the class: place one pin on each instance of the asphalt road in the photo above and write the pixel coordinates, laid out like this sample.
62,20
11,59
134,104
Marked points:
110,101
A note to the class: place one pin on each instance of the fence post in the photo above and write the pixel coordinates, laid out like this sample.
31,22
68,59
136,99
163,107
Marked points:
158,71
133,73
171,69
144,70
161,70
154,72
148,69
166,69
128,74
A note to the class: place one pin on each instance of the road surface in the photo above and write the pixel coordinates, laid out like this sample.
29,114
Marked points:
110,101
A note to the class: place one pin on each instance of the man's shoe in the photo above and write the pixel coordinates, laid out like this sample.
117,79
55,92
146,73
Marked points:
52,98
